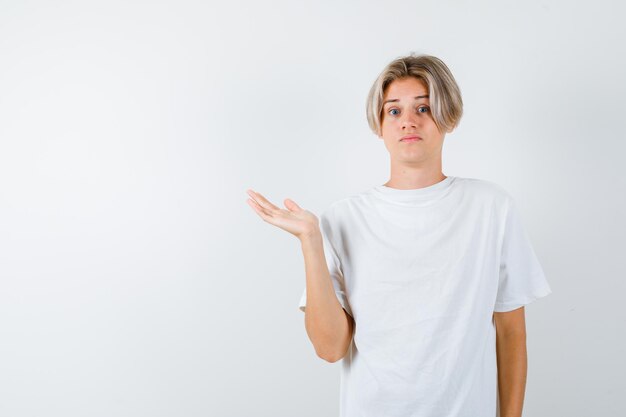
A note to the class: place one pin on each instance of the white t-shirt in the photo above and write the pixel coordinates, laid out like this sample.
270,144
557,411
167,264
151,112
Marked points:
422,271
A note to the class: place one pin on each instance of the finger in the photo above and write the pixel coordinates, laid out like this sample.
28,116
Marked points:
291,205
262,201
260,210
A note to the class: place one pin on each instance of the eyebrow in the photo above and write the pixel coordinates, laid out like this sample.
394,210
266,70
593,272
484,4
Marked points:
395,99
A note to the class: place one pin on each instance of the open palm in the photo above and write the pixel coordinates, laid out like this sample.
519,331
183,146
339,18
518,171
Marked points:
296,220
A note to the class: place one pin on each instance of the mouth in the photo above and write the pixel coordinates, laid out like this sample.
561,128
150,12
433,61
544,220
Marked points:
410,138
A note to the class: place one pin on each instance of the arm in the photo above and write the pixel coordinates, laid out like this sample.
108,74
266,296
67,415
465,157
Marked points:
512,361
328,325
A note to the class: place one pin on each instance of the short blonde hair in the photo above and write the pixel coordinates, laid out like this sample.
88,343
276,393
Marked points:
445,99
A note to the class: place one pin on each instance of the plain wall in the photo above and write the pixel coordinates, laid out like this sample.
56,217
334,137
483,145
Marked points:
135,280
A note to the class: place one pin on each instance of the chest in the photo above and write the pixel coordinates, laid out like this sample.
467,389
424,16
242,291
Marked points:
419,263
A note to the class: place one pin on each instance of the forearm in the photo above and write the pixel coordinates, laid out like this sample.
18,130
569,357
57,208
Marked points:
326,322
512,369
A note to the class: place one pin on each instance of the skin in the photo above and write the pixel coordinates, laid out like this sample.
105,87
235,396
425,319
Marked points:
294,219
413,164
512,360
417,165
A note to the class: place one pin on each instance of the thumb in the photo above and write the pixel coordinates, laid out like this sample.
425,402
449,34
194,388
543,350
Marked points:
291,205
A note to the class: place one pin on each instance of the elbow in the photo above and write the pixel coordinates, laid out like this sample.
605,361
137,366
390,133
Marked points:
327,356
327,345
331,357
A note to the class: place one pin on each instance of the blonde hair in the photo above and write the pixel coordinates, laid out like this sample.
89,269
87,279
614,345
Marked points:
444,94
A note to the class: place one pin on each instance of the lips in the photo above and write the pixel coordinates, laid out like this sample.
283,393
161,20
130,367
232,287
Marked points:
411,138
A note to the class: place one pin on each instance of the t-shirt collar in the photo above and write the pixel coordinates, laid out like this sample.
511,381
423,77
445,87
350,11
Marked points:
417,195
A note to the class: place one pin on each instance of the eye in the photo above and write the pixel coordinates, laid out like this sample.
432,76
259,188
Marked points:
421,109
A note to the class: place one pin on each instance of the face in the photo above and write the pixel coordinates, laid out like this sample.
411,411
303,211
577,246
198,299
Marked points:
406,115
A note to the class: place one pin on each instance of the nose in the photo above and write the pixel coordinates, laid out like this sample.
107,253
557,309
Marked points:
409,120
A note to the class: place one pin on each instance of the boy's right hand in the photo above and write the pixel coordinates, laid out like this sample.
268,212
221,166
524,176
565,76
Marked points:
299,222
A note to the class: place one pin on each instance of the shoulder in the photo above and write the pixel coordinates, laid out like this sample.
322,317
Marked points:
345,205
485,189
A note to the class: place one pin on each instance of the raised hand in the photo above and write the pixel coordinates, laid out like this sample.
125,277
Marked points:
296,220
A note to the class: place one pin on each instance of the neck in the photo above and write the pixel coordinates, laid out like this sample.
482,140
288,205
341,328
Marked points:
409,178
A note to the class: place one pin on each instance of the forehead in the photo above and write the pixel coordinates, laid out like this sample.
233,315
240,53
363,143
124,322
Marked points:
405,88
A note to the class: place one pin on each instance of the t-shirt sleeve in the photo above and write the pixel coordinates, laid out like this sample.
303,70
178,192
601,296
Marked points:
521,279
334,267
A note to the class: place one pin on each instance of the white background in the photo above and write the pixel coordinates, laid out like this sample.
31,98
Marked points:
135,280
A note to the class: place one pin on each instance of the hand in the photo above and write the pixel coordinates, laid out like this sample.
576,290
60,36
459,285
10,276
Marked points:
295,220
